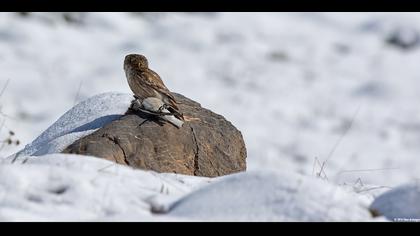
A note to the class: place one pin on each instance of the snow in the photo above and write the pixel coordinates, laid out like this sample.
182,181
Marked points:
63,187
292,83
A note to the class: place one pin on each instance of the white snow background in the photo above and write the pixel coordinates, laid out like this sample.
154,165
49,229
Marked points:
292,83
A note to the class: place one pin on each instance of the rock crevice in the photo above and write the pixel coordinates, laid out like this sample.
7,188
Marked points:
196,167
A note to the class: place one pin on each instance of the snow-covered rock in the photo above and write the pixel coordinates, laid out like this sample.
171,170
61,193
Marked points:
271,196
83,119
399,204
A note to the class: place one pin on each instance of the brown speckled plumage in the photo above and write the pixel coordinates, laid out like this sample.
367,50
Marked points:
145,83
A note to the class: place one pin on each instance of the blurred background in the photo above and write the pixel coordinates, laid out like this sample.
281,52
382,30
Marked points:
303,88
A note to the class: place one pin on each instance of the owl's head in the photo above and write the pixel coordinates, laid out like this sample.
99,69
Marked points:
135,61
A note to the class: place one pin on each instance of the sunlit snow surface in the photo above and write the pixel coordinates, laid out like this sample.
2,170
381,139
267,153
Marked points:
291,82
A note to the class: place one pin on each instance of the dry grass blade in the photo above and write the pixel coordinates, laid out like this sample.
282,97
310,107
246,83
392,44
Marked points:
338,141
367,170
4,87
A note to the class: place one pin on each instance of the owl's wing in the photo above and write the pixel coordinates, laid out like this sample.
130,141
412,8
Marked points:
153,80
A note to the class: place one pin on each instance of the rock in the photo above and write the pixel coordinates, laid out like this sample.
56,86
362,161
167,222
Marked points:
208,146
399,204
